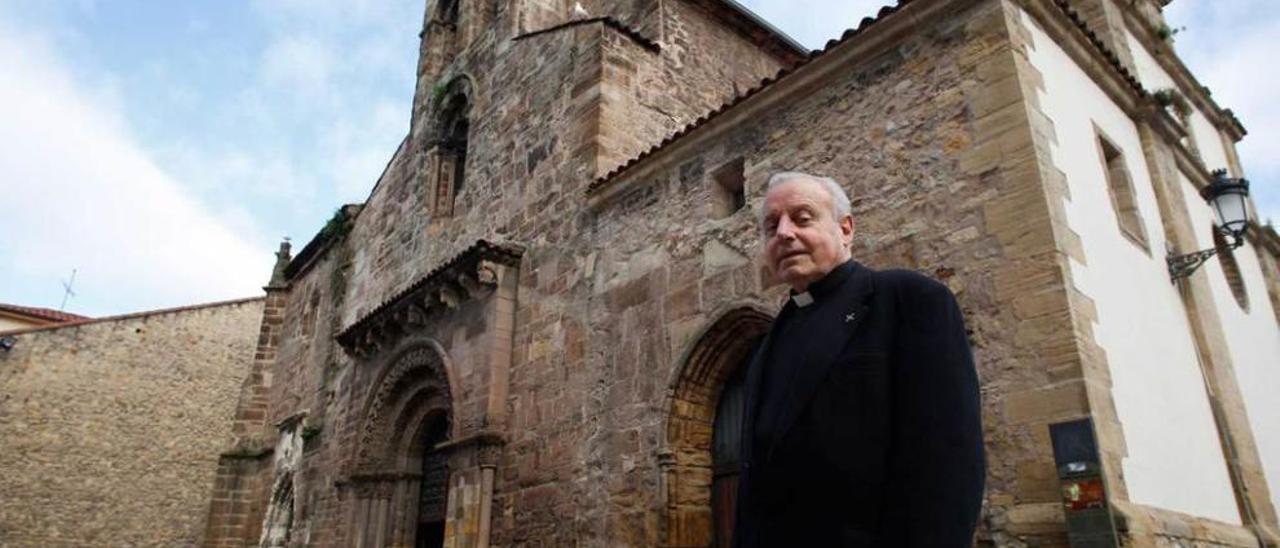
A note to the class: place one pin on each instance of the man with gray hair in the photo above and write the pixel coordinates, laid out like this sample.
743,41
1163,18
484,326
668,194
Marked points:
862,425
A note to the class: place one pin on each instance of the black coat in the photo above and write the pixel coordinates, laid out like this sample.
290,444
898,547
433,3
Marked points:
881,439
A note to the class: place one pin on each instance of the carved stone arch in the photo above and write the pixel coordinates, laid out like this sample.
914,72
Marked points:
459,88
411,396
415,378
718,354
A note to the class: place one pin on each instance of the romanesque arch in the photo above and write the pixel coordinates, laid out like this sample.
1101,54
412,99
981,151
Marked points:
688,464
449,144
399,478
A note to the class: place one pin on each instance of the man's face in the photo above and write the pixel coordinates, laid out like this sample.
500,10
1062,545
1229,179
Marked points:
803,239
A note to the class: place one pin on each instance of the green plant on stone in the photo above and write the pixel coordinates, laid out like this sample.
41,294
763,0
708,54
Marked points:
1164,32
337,226
438,92
1169,97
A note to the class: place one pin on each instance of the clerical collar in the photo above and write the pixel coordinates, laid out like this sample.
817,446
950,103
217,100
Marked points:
822,287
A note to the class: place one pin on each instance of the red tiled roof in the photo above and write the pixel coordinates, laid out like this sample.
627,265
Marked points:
85,320
1102,47
45,314
1063,5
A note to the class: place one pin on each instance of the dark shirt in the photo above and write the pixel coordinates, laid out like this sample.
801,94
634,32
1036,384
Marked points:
793,335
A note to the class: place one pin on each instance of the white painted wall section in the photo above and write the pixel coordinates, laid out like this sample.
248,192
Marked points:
1150,73
1209,141
1154,78
1253,338
1174,459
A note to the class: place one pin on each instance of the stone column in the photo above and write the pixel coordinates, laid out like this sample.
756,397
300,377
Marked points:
474,461
237,509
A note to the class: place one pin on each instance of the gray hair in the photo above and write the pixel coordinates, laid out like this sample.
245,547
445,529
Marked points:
839,198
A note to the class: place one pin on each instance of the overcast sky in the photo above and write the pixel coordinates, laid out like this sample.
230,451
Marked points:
162,149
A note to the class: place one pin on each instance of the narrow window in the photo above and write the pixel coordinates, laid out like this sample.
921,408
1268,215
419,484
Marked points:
728,194
449,154
1230,269
1123,198
448,12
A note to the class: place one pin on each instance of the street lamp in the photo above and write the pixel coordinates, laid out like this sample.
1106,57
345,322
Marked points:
1229,199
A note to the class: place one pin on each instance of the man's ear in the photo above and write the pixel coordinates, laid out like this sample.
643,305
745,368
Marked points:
847,227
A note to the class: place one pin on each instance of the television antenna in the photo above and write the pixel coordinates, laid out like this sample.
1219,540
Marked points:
66,290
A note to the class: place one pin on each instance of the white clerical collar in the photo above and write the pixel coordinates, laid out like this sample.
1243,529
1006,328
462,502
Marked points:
802,299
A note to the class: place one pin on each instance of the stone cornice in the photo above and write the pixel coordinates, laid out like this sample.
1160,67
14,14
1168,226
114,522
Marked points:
469,275
1188,85
608,22
1061,22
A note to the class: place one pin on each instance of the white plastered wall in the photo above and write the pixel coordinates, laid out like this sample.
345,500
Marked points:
1174,460
1253,338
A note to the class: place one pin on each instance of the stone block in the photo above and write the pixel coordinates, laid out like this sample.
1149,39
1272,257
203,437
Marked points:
1050,404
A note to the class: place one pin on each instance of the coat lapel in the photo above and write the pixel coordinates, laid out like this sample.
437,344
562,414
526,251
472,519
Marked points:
836,322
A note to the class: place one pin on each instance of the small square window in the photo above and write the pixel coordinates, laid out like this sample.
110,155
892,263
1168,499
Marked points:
728,193
1123,197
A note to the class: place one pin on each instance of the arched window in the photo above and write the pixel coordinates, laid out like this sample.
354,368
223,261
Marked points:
448,152
701,460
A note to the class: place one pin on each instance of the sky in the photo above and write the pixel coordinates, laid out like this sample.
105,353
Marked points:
161,150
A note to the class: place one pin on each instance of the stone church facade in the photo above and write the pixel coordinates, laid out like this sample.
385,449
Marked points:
530,333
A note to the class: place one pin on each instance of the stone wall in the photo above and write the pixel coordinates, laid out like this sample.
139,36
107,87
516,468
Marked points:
584,417
111,428
532,153
898,124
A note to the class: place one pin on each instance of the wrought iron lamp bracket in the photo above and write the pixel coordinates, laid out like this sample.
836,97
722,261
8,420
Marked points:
1182,266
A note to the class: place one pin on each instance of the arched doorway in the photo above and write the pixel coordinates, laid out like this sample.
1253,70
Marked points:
400,480
704,428
433,493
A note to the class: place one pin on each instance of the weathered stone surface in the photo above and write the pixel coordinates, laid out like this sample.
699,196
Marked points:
582,391
111,430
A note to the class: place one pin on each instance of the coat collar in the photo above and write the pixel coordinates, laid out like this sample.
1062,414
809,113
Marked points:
843,305
822,289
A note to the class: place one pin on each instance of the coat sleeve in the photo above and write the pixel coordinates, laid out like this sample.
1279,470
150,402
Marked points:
936,460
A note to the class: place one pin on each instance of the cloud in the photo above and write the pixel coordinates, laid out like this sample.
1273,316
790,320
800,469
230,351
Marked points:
300,65
81,193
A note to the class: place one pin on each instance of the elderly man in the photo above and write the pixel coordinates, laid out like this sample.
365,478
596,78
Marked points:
862,423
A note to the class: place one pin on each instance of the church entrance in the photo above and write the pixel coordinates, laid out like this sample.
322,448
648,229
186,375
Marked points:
433,495
702,460
402,470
